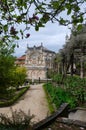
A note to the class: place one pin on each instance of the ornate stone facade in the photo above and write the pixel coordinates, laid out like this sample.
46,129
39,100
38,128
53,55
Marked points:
38,60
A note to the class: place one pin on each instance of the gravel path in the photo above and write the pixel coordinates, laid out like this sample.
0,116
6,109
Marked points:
34,100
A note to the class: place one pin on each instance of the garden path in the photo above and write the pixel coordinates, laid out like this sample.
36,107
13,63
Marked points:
34,100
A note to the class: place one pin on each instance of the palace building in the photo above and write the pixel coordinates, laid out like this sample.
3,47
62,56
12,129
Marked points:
38,60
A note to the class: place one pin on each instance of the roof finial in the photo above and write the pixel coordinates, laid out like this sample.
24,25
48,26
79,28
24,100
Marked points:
41,44
66,37
27,45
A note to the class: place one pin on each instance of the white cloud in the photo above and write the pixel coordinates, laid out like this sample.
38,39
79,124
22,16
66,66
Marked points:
52,36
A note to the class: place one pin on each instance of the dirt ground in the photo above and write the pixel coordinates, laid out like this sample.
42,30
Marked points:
34,101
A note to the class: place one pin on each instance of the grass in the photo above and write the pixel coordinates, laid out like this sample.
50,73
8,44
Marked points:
50,105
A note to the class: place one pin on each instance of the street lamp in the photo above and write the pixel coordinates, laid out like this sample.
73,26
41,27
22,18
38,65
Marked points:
47,68
47,74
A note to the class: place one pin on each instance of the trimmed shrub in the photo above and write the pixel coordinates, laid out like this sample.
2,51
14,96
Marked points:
15,98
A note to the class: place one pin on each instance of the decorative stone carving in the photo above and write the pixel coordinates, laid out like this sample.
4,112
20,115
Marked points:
38,60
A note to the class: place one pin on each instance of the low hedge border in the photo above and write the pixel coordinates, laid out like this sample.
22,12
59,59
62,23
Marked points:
15,98
4,127
50,105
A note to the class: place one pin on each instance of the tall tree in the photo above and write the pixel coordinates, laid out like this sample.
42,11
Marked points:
57,63
15,12
75,49
6,66
19,76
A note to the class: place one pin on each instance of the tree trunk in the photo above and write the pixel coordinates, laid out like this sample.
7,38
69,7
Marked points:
72,62
82,68
58,68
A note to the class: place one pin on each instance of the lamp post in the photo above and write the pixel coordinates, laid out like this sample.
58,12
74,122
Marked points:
47,69
47,74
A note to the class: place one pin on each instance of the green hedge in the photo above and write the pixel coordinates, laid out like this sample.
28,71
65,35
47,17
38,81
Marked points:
4,127
15,98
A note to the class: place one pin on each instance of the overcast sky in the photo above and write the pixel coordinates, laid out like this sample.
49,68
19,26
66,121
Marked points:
52,36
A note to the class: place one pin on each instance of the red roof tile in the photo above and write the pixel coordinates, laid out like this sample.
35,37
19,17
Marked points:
22,57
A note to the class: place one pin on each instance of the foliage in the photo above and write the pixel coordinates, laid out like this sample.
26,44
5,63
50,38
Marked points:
73,85
7,94
19,76
50,104
50,73
19,120
14,98
57,78
16,12
57,63
74,51
59,95
6,66
10,75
